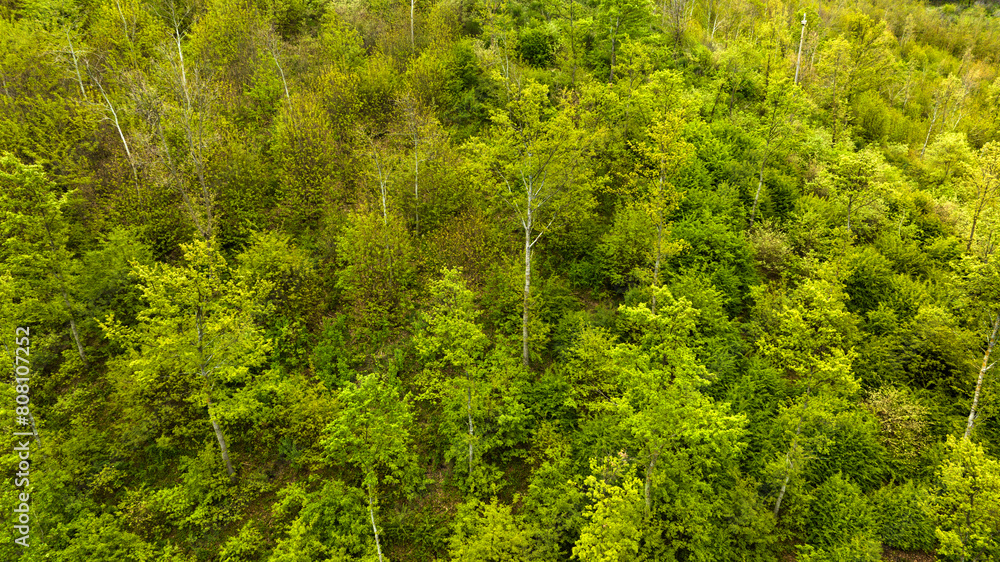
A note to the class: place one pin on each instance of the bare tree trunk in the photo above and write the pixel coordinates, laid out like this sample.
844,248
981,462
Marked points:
930,128
206,228
986,187
281,72
614,38
416,186
982,374
413,43
708,19
572,41
121,134
472,429
525,355
756,197
972,232
656,265
203,372
73,330
371,514
798,59
222,440
789,461
648,484
76,66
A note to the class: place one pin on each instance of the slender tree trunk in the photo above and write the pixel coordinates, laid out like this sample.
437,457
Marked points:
413,42
798,59
121,135
472,429
980,203
850,201
222,440
648,484
281,72
203,372
972,232
656,265
416,187
789,461
371,514
525,355
718,94
930,128
982,374
614,38
572,41
756,197
76,65
73,330
767,70
195,148
708,20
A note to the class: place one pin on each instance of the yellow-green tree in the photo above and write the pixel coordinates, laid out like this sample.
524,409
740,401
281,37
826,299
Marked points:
538,155
199,324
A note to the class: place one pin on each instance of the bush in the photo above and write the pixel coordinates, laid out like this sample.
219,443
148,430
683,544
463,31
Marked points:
902,517
840,516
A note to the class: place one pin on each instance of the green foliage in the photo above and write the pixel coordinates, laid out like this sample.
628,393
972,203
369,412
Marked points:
331,239
967,503
331,358
839,513
370,431
614,515
377,270
202,322
34,252
330,524
904,517
537,46
488,531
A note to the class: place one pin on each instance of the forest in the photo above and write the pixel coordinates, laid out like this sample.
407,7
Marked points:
499,280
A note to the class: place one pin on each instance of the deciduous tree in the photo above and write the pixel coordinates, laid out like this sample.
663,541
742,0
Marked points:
538,155
200,324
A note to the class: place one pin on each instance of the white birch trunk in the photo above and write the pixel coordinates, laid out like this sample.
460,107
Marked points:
982,374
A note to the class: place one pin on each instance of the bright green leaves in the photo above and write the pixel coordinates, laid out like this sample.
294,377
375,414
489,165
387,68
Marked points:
619,20
451,336
537,155
682,445
968,503
34,231
809,335
371,431
480,391
489,531
614,515
331,524
33,252
199,328
855,177
200,320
